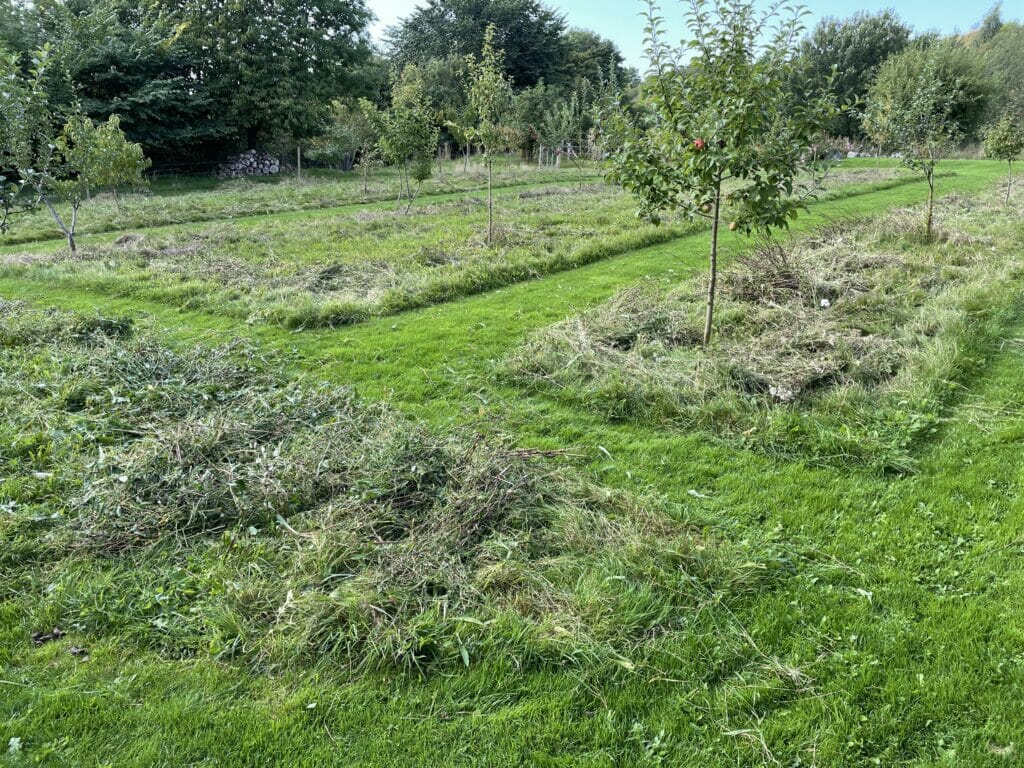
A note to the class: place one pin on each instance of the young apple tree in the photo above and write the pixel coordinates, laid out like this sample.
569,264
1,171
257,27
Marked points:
490,96
1004,140
724,133
41,165
408,135
922,102
25,126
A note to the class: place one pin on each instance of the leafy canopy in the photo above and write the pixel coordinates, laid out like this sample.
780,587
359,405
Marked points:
854,49
719,108
923,101
528,31
408,135
490,96
1004,139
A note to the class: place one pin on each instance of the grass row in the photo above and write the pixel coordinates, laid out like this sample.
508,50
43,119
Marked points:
842,348
339,269
193,200
196,503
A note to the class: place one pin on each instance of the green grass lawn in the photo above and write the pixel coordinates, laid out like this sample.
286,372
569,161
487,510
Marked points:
857,618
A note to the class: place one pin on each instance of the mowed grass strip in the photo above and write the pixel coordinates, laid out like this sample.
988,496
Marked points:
185,200
333,270
196,503
841,348
336,270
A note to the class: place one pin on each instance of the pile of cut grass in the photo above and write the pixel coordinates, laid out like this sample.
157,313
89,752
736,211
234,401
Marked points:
841,349
196,502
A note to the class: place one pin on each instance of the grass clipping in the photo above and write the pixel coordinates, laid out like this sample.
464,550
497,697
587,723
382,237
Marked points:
195,501
839,349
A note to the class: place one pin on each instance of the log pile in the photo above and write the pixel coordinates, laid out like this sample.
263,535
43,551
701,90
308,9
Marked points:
249,163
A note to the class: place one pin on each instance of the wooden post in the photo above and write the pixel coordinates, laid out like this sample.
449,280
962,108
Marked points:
298,162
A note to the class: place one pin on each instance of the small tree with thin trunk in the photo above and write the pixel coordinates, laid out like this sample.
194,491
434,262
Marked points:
408,135
1004,140
911,110
490,95
41,166
723,134
25,132
88,158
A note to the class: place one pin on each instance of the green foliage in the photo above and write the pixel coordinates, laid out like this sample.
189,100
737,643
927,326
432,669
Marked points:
408,134
529,32
25,123
1004,140
351,134
490,96
272,67
97,157
120,58
991,23
924,101
592,57
724,115
16,33
36,162
853,49
491,99
1003,56
567,120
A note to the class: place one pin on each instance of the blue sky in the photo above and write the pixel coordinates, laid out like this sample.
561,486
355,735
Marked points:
619,20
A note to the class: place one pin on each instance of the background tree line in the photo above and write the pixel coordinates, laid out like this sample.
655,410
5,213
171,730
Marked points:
193,80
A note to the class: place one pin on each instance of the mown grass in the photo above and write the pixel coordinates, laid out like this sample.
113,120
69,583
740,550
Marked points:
842,348
337,269
892,638
196,503
190,200
340,269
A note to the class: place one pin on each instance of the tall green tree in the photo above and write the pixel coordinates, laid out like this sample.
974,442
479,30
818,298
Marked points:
1003,57
721,112
528,31
924,101
273,67
25,131
991,23
125,59
16,32
407,131
854,48
589,56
